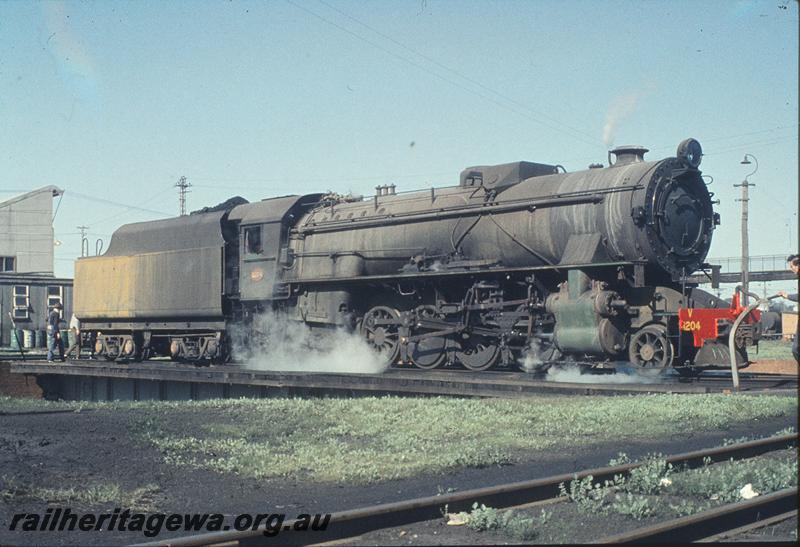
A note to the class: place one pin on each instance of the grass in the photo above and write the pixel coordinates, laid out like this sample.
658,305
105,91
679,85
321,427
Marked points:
374,439
16,404
138,499
772,349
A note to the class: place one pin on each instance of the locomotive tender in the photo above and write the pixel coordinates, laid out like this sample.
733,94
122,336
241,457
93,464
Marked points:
521,263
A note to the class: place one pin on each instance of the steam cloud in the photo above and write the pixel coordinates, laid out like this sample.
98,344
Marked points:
281,344
572,374
621,108
536,356
285,345
539,357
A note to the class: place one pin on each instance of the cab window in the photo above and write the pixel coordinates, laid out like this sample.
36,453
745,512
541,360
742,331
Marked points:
252,240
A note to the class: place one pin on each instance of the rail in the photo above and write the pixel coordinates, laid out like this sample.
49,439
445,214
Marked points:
714,522
346,524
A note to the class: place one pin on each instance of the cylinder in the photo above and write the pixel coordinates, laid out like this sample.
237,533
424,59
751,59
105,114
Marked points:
41,341
27,338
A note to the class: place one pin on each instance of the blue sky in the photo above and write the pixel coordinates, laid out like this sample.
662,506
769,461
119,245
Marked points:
116,100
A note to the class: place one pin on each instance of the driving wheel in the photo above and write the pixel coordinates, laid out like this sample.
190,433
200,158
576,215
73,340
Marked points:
380,328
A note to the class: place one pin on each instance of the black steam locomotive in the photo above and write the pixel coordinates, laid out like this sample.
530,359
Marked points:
520,264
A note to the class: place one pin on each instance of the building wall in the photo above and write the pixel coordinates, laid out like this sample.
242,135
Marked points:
37,296
26,230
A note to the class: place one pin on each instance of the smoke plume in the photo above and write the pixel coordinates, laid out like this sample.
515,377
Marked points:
280,344
621,108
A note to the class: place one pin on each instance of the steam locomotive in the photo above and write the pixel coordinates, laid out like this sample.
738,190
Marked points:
521,264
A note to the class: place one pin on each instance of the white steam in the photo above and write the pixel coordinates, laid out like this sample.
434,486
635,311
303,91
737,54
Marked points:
623,375
281,344
537,355
621,108
540,357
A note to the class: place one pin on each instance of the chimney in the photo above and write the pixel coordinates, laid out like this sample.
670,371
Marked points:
628,154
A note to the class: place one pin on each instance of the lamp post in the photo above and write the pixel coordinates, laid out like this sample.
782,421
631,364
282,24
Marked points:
745,185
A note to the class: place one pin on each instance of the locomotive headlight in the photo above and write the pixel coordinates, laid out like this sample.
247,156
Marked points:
691,152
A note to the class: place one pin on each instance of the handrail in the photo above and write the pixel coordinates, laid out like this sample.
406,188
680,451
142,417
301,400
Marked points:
732,336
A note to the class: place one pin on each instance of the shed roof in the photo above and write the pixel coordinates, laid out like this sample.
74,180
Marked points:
54,190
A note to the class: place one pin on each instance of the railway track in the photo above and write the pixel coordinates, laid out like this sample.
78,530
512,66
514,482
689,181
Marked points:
154,380
356,522
717,524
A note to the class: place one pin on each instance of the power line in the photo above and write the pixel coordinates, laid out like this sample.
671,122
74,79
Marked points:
779,128
458,74
437,75
755,144
117,216
316,179
712,151
116,203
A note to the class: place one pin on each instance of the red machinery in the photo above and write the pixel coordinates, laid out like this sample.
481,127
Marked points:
711,323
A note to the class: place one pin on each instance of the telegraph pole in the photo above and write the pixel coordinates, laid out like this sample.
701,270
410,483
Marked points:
83,230
745,185
182,186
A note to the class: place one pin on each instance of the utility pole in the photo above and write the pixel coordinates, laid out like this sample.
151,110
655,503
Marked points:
182,185
745,185
83,230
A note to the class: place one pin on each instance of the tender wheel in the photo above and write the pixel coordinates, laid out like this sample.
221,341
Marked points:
380,329
428,353
107,351
651,349
477,353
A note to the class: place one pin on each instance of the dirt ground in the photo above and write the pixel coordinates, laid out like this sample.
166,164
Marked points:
566,526
774,366
91,448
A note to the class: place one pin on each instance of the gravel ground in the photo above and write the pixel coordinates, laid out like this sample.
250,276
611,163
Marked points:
94,448
785,531
566,526
567,523
774,366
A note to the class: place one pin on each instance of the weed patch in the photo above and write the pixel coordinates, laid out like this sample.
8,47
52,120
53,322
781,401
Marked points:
139,499
510,523
375,439
638,495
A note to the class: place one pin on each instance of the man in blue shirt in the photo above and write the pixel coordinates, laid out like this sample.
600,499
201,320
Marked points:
54,341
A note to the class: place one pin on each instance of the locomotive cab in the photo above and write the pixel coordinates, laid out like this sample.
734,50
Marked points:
263,233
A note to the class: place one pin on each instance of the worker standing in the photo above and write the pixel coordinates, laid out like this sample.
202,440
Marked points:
54,341
75,329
